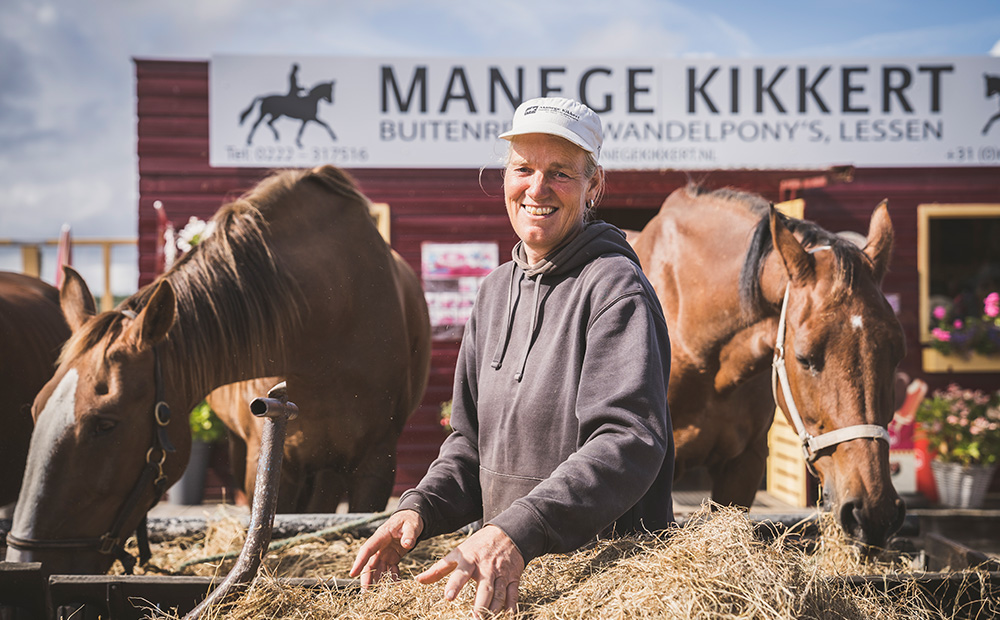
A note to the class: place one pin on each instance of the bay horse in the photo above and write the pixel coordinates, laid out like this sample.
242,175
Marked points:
307,490
302,108
738,282
295,281
32,330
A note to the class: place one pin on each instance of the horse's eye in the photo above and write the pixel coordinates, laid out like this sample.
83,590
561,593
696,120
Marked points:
807,363
103,426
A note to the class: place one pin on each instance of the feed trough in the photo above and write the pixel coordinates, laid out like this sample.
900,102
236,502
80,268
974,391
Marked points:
945,566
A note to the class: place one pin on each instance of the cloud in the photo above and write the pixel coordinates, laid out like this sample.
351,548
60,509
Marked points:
944,40
67,91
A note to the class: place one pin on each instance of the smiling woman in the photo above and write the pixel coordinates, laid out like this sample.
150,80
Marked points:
547,191
561,429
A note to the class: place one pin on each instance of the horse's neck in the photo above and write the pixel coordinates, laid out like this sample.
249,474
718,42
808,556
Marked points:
192,377
748,349
717,332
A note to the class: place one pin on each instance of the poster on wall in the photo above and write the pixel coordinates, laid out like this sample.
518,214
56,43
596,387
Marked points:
452,273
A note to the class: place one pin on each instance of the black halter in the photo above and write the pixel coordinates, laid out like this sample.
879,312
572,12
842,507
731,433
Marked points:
113,542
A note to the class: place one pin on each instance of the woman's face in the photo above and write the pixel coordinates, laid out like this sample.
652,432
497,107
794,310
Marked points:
546,191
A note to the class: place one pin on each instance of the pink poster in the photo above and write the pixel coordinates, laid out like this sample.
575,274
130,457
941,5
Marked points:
452,273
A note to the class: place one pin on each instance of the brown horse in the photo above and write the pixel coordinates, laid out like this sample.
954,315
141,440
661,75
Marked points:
32,330
726,268
304,489
295,281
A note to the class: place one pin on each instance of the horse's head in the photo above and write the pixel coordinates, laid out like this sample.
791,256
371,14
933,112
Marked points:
323,90
842,343
99,453
992,85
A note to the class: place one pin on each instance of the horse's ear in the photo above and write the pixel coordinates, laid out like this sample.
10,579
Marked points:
154,322
75,299
798,263
880,239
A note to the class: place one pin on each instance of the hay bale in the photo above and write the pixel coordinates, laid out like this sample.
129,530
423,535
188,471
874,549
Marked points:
714,566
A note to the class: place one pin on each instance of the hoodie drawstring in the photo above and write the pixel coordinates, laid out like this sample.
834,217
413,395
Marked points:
504,340
505,335
531,330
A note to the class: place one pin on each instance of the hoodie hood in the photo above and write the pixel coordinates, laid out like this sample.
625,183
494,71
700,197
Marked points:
596,239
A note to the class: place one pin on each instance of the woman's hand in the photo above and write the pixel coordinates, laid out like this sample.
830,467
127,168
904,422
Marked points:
391,541
489,558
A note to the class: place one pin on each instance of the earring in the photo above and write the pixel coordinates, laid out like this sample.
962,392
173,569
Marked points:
590,203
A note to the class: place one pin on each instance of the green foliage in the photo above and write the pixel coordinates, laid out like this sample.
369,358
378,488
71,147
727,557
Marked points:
446,416
205,425
962,426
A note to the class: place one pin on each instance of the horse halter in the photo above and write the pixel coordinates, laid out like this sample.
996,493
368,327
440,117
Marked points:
113,542
811,445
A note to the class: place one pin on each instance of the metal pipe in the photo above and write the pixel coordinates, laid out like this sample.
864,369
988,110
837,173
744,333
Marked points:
276,410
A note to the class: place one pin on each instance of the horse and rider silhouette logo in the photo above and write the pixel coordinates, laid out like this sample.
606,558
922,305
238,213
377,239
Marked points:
293,105
992,88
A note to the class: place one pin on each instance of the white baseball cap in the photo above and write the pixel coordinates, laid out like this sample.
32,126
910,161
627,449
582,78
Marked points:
561,117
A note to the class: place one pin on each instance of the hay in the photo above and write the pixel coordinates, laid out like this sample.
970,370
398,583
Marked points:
715,566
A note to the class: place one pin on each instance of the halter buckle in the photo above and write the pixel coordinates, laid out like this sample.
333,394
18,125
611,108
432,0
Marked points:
107,544
149,459
161,412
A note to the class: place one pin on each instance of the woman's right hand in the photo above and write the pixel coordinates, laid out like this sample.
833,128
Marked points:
391,541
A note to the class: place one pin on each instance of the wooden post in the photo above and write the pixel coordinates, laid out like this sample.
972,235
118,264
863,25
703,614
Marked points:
31,260
108,300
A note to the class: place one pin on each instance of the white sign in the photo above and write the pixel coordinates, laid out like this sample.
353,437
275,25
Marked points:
269,111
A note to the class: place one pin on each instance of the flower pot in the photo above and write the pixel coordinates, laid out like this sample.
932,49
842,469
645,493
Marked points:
190,487
961,486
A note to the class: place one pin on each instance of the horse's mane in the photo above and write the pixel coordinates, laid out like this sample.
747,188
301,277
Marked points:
847,256
234,298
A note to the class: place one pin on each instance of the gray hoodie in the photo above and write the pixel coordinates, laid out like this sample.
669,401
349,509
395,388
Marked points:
562,432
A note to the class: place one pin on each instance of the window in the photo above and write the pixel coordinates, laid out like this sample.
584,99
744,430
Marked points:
959,266
380,216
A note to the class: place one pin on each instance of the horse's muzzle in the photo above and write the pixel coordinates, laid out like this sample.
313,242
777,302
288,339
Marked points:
871,527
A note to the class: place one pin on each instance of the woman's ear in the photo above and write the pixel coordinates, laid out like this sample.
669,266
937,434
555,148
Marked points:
595,184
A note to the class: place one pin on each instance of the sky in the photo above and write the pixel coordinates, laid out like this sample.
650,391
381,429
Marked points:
67,79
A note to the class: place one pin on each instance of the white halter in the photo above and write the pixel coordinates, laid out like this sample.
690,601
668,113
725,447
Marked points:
811,445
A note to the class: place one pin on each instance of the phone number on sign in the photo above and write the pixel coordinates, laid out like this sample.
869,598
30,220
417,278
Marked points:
288,155
970,154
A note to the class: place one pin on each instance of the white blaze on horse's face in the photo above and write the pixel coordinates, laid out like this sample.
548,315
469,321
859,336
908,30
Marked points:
55,420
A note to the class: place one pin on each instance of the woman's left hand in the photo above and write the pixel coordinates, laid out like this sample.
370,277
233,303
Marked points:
490,558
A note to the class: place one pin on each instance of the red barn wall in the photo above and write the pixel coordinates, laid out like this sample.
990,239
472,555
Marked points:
457,205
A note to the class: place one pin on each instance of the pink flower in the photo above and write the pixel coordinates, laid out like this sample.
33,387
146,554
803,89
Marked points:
941,334
958,323
939,312
991,305
978,426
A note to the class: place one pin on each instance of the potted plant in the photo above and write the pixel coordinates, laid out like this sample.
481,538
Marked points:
962,429
206,430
